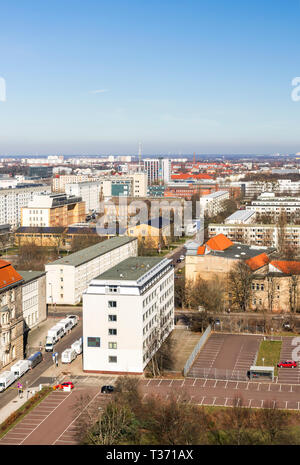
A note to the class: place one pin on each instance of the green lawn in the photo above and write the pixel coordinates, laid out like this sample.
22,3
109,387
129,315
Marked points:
270,351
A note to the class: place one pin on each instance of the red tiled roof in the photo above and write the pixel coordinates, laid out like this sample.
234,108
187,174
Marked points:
219,242
257,262
286,266
8,275
201,250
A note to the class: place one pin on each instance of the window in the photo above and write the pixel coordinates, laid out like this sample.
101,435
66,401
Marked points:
112,289
112,304
93,341
112,359
112,345
112,317
112,332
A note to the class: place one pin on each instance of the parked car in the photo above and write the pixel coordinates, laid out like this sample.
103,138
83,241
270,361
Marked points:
107,389
182,257
286,326
287,364
62,385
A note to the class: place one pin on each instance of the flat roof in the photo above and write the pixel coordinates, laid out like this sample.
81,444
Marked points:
89,253
131,269
240,215
29,275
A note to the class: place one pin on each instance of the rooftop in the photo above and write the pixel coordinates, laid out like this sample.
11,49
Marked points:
87,254
8,275
131,269
30,275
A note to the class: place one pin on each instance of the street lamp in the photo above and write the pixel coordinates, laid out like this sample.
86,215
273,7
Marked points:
263,360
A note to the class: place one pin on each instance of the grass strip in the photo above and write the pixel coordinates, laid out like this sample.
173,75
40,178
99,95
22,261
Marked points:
270,352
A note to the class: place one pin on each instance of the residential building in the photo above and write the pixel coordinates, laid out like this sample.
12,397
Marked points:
11,316
50,210
128,312
252,189
40,171
214,203
268,205
88,191
241,217
34,306
13,200
153,233
59,182
218,256
259,234
68,277
158,170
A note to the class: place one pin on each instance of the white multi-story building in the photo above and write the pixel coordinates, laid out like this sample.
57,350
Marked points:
88,191
158,169
68,277
258,234
33,298
59,182
212,204
251,189
241,217
12,201
268,204
128,312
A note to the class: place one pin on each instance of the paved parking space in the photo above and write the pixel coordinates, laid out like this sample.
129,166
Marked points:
226,356
288,375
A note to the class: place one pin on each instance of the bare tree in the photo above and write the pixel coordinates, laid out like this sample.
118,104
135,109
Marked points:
272,422
239,285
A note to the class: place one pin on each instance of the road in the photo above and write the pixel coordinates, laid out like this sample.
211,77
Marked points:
33,375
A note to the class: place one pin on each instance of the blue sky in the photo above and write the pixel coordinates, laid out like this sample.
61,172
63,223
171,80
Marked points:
97,77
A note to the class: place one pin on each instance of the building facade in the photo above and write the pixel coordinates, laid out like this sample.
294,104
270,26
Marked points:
11,316
68,277
51,210
13,200
213,204
128,312
34,306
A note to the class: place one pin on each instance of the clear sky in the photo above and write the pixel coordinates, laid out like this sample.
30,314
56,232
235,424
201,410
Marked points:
93,76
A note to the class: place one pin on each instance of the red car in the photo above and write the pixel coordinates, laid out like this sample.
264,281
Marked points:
287,364
62,385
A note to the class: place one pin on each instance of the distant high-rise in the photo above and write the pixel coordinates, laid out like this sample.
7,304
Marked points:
158,170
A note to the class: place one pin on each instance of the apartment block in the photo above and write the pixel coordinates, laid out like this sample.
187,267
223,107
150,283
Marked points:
51,210
213,204
13,200
68,277
11,316
34,306
128,312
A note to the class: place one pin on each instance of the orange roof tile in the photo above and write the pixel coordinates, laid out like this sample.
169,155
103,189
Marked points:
8,275
257,262
219,242
286,266
201,250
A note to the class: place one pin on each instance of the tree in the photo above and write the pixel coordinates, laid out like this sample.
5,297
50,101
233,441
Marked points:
239,285
272,422
82,241
162,350
171,422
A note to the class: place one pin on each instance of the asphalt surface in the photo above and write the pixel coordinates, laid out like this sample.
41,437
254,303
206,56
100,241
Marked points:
35,376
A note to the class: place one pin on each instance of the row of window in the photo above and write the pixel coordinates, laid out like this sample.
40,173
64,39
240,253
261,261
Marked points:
149,298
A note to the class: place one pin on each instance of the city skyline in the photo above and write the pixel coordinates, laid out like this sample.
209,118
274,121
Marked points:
181,78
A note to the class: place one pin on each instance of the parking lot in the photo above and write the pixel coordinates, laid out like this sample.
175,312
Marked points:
227,356
288,375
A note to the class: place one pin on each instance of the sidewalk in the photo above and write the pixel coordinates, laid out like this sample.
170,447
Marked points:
16,403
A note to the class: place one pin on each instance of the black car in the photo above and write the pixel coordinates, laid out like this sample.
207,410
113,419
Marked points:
107,389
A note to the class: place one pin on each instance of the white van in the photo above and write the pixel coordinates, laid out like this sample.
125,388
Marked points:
6,379
68,355
66,324
77,346
56,333
74,318
19,368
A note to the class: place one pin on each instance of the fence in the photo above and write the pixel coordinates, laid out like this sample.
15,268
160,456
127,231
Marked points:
218,373
194,354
